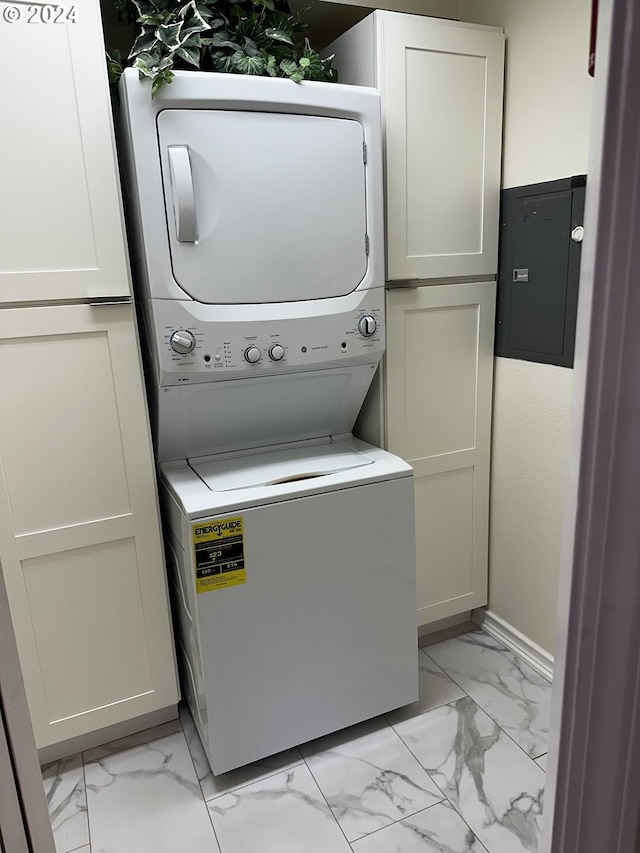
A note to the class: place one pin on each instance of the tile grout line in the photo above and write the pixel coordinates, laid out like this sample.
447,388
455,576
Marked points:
434,707
213,829
406,817
393,822
193,763
422,713
270,774
195,770
484,710
262,778
86,798
446,799
306,763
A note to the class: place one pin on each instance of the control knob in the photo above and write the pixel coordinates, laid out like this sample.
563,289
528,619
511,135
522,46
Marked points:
367,325
276,353
182,342
252,355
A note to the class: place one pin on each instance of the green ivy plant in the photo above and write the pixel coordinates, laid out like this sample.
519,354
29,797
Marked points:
233,36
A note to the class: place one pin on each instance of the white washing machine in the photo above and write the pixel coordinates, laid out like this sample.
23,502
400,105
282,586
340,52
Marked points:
257,239
294,582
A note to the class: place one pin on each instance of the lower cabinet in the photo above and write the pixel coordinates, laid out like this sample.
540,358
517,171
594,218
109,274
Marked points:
432,407
80,540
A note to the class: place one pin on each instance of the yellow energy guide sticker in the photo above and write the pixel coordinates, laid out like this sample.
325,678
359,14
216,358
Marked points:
219,553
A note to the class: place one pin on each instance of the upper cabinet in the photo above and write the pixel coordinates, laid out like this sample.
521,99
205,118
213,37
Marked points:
61,234
441,84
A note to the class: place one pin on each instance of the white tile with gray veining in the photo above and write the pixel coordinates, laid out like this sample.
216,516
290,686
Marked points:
67,801
439,829
495,787
435,689
284,813
213,786
373,785
144,797
509,690
368,777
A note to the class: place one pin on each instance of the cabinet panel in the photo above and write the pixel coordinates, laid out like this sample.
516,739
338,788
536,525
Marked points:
441,87
92,636
440,413
446,220
444,532
441,84
86,579
61,234
57,391
439,370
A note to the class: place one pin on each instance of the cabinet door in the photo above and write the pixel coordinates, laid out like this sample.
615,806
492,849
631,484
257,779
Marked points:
61,233
441,85
439,381
81,547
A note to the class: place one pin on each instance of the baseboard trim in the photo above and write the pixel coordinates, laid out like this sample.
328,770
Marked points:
513,639
57,751
451,623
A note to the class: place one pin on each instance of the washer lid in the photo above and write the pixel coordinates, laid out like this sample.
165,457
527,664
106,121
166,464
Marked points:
263,206
276,467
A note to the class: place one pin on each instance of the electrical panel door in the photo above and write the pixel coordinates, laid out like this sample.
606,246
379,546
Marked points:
540,247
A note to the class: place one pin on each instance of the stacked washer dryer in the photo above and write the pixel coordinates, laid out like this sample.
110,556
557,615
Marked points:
257,238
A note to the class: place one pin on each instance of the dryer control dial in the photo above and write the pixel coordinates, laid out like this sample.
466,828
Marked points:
182,341
252,355
367,326
276,353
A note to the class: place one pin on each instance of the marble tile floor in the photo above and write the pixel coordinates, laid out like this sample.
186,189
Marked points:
459,771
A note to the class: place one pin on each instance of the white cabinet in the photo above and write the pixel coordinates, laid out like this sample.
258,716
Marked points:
434,410
441,84
80,540
79,532
61,234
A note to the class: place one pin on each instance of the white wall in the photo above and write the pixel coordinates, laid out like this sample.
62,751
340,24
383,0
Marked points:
546,133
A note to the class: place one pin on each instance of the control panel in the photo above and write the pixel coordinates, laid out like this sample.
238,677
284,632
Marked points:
183,341
193,350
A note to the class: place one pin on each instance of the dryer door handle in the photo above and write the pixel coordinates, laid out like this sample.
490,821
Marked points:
184,205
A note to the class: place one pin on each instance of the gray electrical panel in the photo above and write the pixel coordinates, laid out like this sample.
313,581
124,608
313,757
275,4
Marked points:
538,270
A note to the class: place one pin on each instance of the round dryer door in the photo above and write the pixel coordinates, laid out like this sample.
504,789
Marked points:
263,207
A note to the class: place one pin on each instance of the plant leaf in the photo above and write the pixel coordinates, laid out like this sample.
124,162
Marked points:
192,16
232,36
315,67
223,62
222,40
278,35
153,20
114,65
144,42
290,67
147,64
169,34
248,64
190,54
250,47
